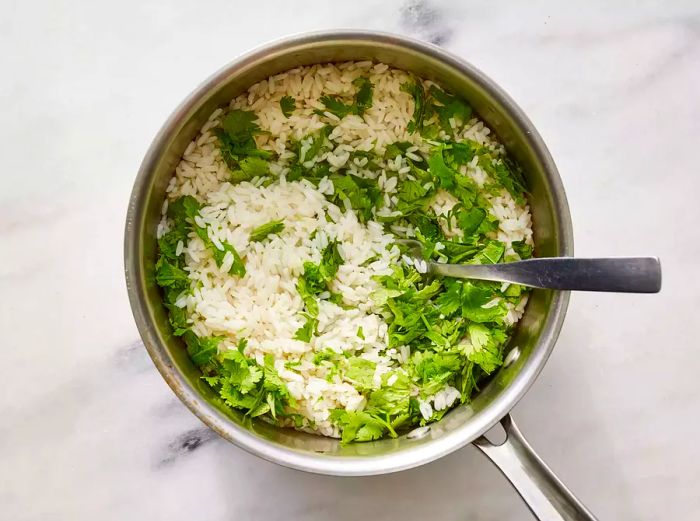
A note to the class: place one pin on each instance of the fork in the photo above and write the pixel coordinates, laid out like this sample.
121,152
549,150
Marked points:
616,274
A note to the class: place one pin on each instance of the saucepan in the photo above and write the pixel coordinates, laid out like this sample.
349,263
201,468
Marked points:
528,350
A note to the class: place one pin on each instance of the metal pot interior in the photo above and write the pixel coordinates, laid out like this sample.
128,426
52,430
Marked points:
535,334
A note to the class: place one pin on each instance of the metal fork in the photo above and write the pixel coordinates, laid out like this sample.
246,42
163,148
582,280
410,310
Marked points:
619,274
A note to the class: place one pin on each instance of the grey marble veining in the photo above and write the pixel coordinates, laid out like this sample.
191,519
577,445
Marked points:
89,429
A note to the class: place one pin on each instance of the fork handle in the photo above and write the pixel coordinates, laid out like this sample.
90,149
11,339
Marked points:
622,274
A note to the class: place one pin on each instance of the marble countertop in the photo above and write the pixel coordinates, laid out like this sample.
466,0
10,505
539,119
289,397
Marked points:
89,429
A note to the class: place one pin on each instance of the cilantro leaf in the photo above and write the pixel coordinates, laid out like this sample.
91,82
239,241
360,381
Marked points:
463,152
491,253
240,125
250,167
361,372
457,251
450,301
415,89
397,148
201,350
261,232
444,175
288,105
391,399
241,372
169,275
305,332
325,355
335,106
449,107
307,294
358,425
316,277
474,298
506,174
362,194
363,97
435,369
469,220
362,101
523,250
236,138
486,353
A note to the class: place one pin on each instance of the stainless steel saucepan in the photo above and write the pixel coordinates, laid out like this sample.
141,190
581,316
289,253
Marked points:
529,349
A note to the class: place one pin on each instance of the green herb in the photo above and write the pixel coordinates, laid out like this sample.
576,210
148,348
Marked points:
361,372
325,355
363,97
319,142
362,101
523,250
183,211
415,89
261,232
169,275
316,277
444,175
474,298
398,148
361,193
506,174
245,385
201,350
485,351
449,107
358,425
287,105
491,253
470,220
392,400
249,168
305,332
236,138
335,106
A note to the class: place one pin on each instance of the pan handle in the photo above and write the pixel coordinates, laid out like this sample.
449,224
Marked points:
544,493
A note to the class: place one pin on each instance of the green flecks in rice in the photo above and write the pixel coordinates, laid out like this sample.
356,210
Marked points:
278,256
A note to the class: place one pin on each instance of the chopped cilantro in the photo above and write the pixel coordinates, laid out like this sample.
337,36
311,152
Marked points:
363,97
449,107
415,89
169,275
362,101
358,425
250,167
305,332
523,250
398,148
361,372
201,350
287,105
261,232
362,194
491,253
236,138
444,175
316,277
335,106
469,220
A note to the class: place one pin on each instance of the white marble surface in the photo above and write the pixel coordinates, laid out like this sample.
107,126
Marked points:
90,431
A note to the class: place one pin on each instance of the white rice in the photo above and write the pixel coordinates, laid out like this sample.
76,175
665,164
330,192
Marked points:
264,305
